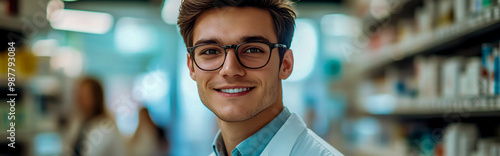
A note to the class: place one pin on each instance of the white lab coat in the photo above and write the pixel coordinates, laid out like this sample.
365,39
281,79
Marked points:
295,139
102,137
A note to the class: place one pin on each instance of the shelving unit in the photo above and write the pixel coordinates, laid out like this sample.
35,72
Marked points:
27,22
440,40
392,89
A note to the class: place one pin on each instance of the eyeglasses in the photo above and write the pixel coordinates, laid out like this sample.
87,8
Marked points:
252,55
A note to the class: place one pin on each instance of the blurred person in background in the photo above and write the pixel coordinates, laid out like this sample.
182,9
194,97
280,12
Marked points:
148,139
91,130
238,55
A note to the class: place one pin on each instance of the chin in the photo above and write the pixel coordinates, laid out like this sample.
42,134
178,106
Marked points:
233,113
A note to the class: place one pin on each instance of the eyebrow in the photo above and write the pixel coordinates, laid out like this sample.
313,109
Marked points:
242,39
253,38
208,41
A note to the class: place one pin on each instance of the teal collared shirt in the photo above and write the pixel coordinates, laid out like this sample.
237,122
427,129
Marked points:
255,144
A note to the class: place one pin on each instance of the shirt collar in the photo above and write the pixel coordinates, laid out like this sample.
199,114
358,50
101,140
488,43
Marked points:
218,145
255,144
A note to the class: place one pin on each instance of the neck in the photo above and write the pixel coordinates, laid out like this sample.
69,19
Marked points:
234,133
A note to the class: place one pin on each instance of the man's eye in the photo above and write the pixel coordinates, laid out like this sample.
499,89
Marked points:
210,51
253,50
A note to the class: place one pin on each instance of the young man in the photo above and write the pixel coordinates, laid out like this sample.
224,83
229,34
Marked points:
238,54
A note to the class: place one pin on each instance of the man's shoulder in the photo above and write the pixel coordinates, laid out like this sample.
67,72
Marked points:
309,143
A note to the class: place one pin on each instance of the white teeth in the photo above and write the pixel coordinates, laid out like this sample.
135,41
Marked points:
234,90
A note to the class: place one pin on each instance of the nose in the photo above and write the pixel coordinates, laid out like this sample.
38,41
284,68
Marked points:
231,67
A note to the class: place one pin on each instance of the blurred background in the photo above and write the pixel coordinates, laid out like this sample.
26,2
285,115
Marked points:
371,77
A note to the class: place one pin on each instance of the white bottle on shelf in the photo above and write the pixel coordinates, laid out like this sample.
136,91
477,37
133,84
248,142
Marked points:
484,147
459,139
460,10
451,140
449,77
473,72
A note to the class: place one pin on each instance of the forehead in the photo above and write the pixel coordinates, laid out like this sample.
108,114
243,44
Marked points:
229,25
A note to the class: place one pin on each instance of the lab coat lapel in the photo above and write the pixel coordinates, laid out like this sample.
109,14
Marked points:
284,140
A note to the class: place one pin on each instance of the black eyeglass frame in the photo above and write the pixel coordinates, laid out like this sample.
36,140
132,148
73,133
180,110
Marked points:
235,47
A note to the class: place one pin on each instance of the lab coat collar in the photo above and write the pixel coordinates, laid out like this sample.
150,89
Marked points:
285,138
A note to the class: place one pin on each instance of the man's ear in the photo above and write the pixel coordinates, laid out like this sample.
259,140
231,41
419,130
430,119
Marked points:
190,66
287,65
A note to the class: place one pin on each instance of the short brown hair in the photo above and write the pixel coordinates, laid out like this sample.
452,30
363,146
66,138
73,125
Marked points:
281,12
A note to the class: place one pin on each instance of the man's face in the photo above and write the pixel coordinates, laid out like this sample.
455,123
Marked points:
253,90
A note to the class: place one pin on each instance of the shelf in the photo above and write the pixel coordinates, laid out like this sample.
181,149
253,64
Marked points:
432,42
472,106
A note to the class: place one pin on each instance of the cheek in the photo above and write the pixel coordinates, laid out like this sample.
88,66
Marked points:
272,69
266,77
274,63
202,89
202,80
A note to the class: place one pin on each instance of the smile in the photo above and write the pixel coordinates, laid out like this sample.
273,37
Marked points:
233,92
